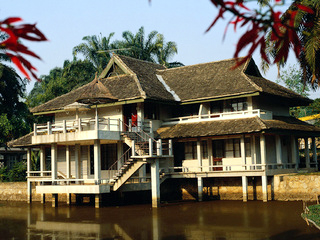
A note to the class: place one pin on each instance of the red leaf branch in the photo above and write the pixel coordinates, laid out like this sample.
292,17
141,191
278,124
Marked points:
13,47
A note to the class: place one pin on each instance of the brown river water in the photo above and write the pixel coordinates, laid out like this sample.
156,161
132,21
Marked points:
220,220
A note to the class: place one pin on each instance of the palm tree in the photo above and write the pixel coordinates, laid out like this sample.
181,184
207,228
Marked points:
308,29
165,51
96,50
137,46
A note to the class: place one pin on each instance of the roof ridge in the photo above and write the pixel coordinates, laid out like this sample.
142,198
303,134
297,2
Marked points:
261,122
140,60
251,82
198,64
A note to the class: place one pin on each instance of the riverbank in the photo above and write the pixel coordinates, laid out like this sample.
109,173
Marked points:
289,187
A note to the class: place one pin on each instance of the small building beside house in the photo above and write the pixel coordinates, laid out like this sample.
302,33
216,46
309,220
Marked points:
139,124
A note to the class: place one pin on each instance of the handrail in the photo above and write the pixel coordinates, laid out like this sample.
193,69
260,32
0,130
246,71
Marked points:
125,156
218,115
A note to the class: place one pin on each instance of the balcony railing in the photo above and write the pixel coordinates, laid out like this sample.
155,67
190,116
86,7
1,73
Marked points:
85,124
264,114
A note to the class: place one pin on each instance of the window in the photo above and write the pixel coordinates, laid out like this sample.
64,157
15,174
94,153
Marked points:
108,155
190,150
232,148
235,105
216,107
218,148
204,147
247,146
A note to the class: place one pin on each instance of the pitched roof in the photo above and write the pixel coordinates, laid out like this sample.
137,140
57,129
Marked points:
235,126
146,75
146,80
96,92
219,79
22,141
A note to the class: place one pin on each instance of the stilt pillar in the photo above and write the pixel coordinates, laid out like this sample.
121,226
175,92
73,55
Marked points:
69,199
264,188
245,188
155,183
43,198
54,200
314,152
29,191
97,200
306,152
200,189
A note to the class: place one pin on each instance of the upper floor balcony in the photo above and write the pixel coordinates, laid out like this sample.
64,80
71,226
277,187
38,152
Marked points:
264,114
86,129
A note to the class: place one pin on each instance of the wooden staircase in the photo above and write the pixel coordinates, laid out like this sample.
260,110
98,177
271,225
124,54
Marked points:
133,160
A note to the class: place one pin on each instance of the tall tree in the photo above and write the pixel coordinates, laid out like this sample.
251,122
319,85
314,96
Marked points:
14,115
165,51
96,49
138,45
59,81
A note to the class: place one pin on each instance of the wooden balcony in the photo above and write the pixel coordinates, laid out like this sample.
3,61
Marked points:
264,114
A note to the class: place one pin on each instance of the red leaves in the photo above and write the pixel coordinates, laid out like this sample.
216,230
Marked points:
283,29
13,46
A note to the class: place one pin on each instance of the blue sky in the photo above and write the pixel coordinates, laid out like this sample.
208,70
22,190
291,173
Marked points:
66,22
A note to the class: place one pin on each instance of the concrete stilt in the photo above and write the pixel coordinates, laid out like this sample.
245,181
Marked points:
245,188
29,191
264,189
69,200
43,198
155,184
200,189
97,200
54,200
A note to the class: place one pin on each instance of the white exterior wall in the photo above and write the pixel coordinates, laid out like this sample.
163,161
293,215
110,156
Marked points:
84,165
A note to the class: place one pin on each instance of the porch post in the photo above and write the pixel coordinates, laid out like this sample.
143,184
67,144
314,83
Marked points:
243,151
54,161
199,155
306,152
155,183
294,152
29,184
263,151
68,162
42,160
314,152
245,188
264,188
119,154
97,160
278,150
210,153
200,189
76,160
253,151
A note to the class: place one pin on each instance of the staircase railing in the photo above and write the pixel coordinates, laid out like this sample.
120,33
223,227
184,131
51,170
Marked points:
114,169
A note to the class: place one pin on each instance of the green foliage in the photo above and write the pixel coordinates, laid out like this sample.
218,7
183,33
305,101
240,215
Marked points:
96,50
313,214
15,118
60,81
35,160
291,78
18,173
3,174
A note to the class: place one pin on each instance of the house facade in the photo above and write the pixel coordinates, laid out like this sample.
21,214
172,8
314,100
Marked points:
138,124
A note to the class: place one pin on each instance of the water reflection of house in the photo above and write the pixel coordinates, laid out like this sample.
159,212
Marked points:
143,121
